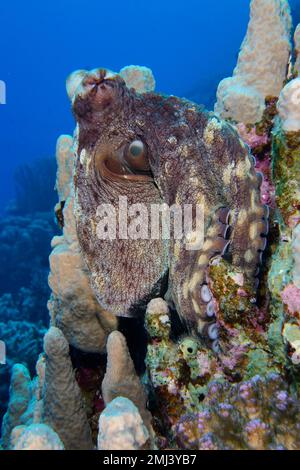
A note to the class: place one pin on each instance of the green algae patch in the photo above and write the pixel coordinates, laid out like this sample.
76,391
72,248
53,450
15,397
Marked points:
258,364
286,173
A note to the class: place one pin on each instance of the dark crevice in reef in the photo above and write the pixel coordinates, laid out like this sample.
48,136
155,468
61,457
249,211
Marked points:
137,339
178,328
134,328
136,336
87,360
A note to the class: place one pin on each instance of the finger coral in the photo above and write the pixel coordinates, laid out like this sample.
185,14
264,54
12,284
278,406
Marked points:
139,78
63,408
20,395
121,427
121,379
262,63
297,51
36,437
289,106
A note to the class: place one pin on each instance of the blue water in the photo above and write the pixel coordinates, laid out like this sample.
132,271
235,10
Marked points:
189,45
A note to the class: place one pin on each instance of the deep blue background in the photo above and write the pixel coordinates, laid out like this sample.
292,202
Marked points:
190,45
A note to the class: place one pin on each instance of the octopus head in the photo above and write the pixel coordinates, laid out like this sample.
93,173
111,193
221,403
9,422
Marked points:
103,107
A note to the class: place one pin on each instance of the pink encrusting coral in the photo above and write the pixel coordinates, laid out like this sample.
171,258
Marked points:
250,136
260,146
291,298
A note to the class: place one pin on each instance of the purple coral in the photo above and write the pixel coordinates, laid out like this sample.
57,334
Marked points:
259,414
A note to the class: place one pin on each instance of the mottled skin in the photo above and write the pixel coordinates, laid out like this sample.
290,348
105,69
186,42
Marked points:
189,157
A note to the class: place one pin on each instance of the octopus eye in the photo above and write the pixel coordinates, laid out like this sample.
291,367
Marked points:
127,163
136,157
136,148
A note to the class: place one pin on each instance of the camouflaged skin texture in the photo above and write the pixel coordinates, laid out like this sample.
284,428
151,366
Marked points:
189,157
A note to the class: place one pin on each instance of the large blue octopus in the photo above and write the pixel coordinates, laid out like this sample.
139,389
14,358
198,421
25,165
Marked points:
153,149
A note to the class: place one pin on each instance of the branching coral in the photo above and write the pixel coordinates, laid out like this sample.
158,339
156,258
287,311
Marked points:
63,408
35,437
20,395
139,78
297,51
121,427
121,379
262,63
289,106
24,342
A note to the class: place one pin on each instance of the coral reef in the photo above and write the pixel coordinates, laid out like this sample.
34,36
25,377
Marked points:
297,51
24,342
176,374
296,254
24,242
35,437
121,427
261,69
121,379
139,78
20,395
289,106
228,376
255,415
24,291
63,408
182,374
26,402
286,148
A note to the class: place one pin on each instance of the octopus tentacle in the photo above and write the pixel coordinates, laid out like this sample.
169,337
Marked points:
249,228
193,295
248,216
241,228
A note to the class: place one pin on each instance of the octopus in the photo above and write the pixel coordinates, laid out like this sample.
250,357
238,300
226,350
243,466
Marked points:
145,150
